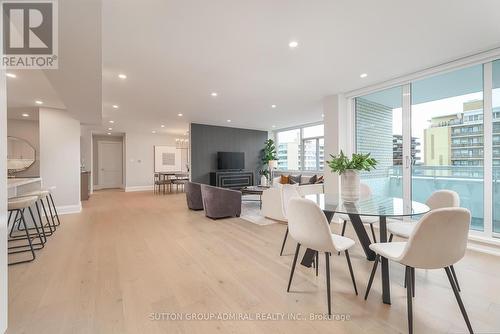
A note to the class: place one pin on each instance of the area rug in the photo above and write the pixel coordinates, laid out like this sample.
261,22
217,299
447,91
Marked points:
250,211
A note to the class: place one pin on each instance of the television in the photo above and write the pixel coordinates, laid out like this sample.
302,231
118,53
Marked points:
230,160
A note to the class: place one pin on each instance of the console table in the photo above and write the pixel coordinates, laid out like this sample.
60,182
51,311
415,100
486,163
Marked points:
231,179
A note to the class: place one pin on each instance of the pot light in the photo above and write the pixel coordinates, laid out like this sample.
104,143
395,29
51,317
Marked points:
11,75
109,129
229,121
115,106
323,115
153,131
111,122
122,76
273,106
25,115
293,44
273,126
109,133
180,115
163,125
38,102
363,75
214,94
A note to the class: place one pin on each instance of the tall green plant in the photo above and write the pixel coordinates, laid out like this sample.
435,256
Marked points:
360,162
269,151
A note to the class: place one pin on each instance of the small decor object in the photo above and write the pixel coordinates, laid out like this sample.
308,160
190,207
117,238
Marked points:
349,169
264,174
270,158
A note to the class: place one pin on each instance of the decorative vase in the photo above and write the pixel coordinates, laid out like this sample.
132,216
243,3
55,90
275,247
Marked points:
263,181
349,183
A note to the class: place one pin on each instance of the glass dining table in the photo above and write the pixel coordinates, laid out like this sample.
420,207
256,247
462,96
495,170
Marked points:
374,206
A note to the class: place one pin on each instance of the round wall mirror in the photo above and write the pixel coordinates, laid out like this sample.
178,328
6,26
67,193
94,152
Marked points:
20,155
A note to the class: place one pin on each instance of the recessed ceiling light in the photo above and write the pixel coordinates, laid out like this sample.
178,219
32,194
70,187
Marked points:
214,94
25,115
109,133
115,106
180,115
162,125
111,122
11,75
229,121
38,102
153,131
273,126
363,75
322,115
273,106
293,44
110,129
122,76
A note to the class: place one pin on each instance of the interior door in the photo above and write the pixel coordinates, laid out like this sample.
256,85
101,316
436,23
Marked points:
110,164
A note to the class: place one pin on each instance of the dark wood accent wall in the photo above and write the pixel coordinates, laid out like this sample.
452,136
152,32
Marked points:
207,140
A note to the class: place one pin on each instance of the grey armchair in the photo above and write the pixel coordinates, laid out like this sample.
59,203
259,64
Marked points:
220,202
193,196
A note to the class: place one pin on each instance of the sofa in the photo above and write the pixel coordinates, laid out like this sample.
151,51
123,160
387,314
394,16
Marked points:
271,198
220,202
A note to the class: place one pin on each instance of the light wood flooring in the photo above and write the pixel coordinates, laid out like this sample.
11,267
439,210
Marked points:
128,255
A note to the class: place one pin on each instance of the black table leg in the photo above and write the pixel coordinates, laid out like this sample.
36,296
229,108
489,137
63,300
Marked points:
310,254
386,287
364,240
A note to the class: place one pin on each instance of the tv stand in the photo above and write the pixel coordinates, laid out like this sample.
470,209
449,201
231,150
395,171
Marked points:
233,179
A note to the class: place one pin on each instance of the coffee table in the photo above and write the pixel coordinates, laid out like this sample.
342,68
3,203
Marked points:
254,190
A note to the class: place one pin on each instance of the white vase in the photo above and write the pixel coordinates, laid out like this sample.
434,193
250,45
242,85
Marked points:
263,181
349,183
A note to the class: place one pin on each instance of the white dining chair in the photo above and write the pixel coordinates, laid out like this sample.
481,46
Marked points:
309,227
438,241
287,192
364,192
438,199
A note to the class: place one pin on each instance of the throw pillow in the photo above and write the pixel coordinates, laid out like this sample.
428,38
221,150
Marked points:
294,179
313,179
284,179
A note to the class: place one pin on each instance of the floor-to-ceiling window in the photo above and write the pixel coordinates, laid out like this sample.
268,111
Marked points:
379,132
301,149
442,129
496,146
447,121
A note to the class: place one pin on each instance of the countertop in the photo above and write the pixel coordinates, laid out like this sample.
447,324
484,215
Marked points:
21,181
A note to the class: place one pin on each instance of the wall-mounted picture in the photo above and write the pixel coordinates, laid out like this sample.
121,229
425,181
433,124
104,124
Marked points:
167,159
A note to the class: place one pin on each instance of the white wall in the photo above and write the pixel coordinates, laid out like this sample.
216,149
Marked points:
27,130
139,157
60,157
338,125
3,202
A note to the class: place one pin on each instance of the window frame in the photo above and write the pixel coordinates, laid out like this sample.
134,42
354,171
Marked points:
301,141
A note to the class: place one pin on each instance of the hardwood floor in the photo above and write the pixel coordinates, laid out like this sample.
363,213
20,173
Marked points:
128,255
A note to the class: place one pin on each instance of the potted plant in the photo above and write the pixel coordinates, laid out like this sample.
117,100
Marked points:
349,169
264,177
270,158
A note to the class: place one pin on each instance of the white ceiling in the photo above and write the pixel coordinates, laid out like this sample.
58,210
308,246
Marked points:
175,53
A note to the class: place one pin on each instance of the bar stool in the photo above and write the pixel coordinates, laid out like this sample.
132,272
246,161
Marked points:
42,194
18,205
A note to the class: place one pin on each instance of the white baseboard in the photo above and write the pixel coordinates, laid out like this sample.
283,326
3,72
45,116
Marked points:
139,188
68,209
